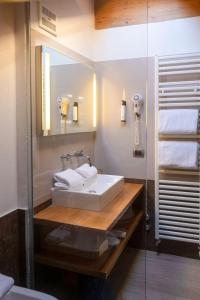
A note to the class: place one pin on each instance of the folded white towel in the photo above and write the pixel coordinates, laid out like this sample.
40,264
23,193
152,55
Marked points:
5,284
84,241
178,121
69,177
120,234
178,154
59,234
86,171
60,186
103,247
113,241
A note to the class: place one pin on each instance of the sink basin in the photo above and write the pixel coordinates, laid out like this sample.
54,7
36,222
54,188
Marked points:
95,193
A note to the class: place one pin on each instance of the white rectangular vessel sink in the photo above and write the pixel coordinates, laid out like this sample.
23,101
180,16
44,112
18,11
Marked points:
95,193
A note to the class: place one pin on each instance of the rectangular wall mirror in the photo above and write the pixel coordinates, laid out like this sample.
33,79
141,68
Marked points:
66,93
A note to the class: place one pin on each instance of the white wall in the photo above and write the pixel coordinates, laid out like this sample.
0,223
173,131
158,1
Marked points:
75,29
114,144
22,106
120,55
115,141
120,43
113,46
75,23
8,161
13,109
163,38
174,37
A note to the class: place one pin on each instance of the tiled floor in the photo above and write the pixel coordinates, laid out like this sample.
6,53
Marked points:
138,274
168,277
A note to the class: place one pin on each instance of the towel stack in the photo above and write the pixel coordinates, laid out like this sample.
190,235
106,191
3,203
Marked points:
178,121
85,241
180,154
70,179
86,171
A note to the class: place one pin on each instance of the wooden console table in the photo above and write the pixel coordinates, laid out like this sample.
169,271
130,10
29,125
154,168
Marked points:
92,220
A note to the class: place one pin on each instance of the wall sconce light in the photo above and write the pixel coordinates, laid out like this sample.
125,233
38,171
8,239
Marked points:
75,112
94,100
46,97
123,108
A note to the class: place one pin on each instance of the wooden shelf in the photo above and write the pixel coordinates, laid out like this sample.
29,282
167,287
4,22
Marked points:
98,268
94,220
84,219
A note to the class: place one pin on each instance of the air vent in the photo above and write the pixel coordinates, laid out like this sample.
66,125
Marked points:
47,19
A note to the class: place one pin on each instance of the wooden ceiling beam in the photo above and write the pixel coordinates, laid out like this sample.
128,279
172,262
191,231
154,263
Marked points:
113,13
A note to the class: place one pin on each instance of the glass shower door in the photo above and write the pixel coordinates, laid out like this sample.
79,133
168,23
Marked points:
173,148
64,266
16,184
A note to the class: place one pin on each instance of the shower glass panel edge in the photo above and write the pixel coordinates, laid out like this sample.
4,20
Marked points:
29,211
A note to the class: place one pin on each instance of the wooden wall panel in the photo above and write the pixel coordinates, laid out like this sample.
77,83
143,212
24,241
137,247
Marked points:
112,13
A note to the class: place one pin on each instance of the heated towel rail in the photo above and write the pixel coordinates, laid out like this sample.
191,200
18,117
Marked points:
177,191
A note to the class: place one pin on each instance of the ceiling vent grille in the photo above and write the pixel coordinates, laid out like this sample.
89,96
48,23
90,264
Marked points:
47,20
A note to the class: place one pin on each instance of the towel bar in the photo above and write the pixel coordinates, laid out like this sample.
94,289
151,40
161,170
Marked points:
179,136
184,72
181,83
180,224
192,104
184,183
177,172
181,61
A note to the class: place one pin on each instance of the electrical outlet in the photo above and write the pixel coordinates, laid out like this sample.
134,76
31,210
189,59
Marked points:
138,153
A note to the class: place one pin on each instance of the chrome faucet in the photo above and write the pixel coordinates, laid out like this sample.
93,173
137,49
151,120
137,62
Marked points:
80,153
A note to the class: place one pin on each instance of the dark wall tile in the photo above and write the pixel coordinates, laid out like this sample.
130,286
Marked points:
165,246
143,239
22,247
12,245
42,206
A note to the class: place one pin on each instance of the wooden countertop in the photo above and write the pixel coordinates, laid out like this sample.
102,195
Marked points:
96,220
